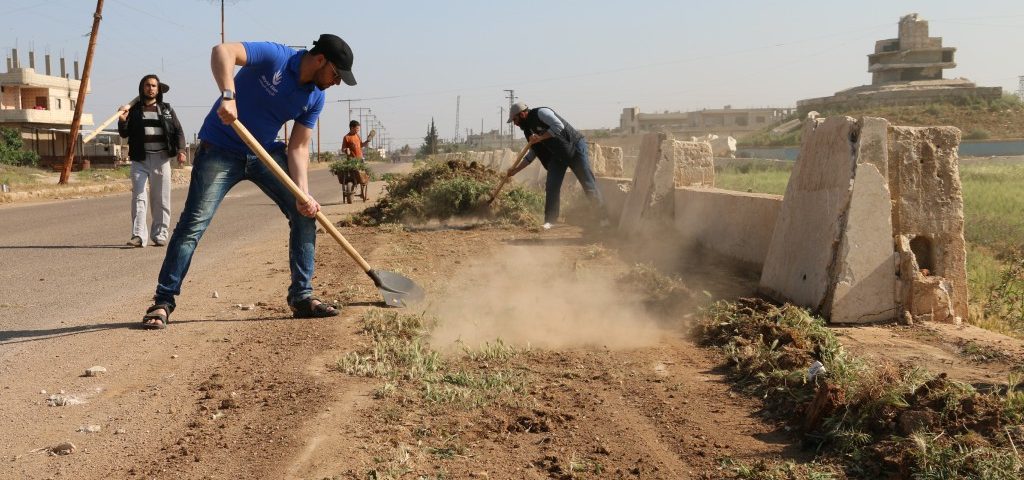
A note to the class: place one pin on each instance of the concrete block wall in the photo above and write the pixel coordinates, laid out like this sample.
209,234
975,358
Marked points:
928,221
735,224
870,228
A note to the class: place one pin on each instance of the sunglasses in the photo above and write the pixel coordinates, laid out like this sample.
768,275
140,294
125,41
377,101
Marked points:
337,73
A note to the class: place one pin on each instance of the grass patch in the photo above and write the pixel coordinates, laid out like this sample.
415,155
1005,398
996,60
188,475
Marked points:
878,420
754,176
765,470
14,175
24,178
399,354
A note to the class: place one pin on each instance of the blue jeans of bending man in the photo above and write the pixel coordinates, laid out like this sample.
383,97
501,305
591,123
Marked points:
580,165
214,172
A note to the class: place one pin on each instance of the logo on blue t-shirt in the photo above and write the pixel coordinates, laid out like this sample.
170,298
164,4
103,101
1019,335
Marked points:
270,86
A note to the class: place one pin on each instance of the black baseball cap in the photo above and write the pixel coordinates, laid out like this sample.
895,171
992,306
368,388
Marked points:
336,51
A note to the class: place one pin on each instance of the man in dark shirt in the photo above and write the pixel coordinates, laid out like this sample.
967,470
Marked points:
154,138
558,146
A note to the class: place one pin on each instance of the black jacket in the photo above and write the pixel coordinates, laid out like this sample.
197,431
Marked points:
134,129
559,148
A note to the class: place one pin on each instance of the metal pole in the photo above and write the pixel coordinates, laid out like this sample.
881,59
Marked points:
76,122
511,100
318,142
221,21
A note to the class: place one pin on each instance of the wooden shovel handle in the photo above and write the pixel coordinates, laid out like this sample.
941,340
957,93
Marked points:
299,194
506,178
106,123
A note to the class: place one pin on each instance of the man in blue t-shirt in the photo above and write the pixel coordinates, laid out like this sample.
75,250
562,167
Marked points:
275,84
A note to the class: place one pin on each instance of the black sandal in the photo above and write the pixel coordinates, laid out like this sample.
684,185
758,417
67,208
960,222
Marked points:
306,308
151,314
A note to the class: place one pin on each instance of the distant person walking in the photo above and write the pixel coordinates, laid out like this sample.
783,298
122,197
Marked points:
274,85
352,145
558,146
154,138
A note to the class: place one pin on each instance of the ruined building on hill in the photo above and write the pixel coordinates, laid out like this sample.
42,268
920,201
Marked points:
906,70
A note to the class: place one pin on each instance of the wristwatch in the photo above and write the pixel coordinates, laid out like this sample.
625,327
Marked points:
227,95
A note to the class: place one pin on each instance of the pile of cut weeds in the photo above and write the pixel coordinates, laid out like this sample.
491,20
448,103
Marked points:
441,190
879,420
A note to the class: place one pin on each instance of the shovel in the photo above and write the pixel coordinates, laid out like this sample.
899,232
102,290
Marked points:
522,154
397,290
99,129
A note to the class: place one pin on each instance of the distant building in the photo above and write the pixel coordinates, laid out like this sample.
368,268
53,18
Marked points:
727,121
493,140
41,106
906,70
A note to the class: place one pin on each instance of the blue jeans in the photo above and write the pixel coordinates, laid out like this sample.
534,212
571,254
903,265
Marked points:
580,165
214,172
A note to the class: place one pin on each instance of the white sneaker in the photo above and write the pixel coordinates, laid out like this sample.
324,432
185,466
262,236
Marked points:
546,226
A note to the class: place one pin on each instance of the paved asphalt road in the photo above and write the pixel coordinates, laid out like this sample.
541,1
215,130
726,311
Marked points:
66,260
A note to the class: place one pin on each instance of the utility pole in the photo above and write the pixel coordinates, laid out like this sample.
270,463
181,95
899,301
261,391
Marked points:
458,99
501,121
511,100
76,122
221,21
360,109
350,100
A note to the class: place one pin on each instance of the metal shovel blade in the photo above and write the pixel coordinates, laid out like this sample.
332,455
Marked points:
397,290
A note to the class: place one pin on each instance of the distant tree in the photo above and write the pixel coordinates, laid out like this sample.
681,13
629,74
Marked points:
406,149
11,152
430,141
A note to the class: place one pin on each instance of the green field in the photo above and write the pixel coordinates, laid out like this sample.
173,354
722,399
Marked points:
994,229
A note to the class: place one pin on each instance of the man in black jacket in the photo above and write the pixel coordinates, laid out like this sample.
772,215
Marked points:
559,146
154,138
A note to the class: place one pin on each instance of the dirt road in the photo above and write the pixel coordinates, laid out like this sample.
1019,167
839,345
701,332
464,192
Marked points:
228,392
596,382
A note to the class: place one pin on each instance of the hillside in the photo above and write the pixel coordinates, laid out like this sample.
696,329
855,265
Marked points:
997,120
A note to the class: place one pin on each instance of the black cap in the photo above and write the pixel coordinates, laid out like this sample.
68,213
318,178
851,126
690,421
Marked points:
336,51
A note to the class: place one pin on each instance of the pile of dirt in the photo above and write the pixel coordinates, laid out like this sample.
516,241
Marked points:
883,420
442,190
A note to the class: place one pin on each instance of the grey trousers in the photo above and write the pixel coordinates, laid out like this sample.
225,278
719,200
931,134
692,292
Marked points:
156,170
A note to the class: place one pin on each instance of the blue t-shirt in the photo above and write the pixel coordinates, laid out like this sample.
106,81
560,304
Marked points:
268,95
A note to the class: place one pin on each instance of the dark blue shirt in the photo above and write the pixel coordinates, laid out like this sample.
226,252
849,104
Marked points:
268,95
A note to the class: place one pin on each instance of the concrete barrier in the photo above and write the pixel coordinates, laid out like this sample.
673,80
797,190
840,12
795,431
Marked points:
614,191
738,225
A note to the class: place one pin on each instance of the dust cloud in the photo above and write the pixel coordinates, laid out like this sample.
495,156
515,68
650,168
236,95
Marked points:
530,296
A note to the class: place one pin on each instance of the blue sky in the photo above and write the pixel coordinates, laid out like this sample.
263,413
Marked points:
586,59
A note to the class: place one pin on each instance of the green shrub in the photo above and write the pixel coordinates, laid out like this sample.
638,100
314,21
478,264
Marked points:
11,152
445,189
453,196
350,166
